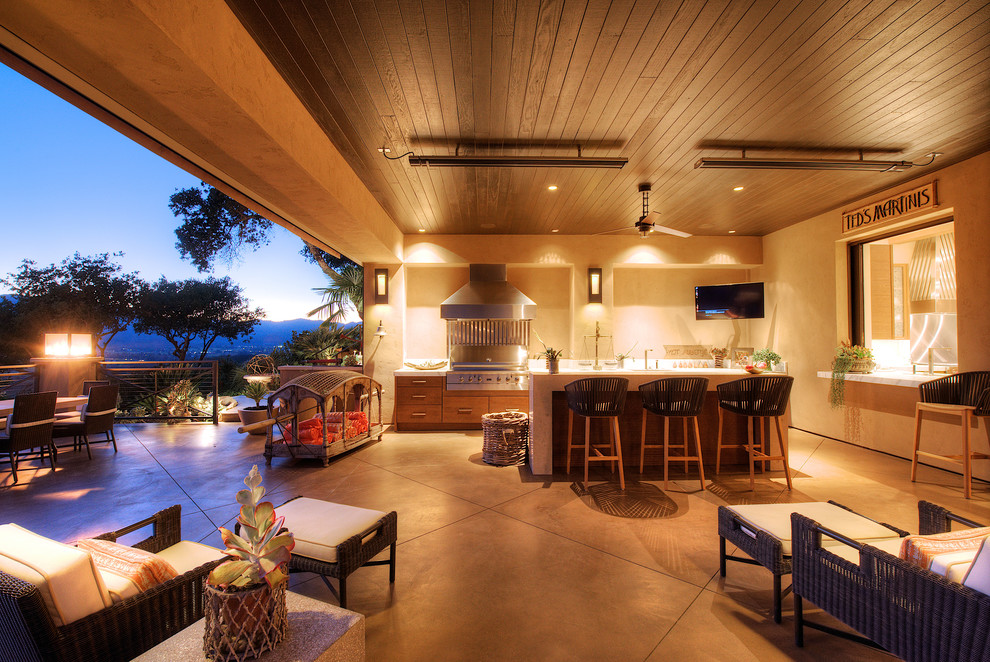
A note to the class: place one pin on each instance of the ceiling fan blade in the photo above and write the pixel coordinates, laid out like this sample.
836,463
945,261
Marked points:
677,233
628,227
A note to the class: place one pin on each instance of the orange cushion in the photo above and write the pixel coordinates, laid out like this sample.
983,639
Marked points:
922,550
142,568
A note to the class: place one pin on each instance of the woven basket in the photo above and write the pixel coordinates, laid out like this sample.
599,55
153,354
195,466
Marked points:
862,365
242,625
506,437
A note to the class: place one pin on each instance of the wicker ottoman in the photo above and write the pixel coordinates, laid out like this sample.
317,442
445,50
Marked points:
763,531
334,540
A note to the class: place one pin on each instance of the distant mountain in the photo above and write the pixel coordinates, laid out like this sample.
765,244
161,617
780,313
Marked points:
128,345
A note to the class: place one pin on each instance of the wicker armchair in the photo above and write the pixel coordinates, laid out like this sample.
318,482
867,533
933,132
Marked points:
30,427
913,613
119,632
964,394
95,418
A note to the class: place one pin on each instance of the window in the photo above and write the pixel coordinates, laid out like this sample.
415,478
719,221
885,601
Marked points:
904,297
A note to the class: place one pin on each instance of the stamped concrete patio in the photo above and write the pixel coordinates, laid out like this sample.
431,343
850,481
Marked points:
493,563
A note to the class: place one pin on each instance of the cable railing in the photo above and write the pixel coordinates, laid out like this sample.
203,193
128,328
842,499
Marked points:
17,379
164,390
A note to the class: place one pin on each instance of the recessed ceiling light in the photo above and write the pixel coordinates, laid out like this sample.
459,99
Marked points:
738,188
555,230
732,231
422,229
552,187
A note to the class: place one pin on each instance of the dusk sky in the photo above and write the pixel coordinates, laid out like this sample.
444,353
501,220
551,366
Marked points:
70,183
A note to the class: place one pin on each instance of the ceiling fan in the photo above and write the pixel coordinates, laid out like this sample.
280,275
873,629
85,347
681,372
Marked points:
647,223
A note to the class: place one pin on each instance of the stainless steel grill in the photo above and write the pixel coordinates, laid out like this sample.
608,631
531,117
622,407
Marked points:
486,345
487,380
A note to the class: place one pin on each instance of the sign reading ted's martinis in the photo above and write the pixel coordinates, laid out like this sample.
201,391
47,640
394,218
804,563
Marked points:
890,209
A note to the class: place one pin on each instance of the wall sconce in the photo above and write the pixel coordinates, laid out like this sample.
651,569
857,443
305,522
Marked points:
381,285
595,285
65,344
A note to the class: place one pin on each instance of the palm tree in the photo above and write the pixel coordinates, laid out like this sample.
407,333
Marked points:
345,293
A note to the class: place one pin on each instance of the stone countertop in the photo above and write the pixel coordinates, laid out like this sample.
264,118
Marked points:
888,377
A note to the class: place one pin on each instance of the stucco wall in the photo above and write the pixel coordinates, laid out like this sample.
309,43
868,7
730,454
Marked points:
805,268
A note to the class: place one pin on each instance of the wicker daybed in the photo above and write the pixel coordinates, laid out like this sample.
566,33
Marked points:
914,613
322,414
119,632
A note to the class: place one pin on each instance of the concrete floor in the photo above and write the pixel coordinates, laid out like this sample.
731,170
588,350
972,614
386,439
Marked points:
494,564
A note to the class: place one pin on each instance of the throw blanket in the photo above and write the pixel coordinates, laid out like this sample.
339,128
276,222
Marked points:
340,425
921,550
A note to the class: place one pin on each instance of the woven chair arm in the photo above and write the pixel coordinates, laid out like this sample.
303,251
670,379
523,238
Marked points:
359,549
763,548
28,628
167,530
933,518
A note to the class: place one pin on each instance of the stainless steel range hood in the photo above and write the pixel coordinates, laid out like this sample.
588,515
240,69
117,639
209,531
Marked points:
488,295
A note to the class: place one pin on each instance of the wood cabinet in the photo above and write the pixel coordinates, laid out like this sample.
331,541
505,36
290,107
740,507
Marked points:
423,403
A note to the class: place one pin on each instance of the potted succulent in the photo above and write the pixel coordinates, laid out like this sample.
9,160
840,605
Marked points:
245,595
621,358
256,391
848,358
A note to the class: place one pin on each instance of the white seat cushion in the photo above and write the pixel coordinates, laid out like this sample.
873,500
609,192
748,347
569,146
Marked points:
953,565
319,526
69,583
890,545
120,588
186,555
775,519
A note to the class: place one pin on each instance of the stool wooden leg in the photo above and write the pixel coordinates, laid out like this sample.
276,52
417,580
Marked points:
750,448
917,443
967,457
666,448
642,443
611,446
718,447
783,451
618,452
701,462
684,446
570,430
587,447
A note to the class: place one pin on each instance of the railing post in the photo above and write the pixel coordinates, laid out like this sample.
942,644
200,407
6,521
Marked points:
216,392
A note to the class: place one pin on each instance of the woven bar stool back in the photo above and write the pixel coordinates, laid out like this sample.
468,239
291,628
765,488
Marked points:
597,397
964,394
681,397
759,399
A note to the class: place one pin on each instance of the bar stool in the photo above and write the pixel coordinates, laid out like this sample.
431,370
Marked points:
964,394
759,398
680,397
597,397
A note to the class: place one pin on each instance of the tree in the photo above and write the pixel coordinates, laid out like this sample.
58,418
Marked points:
80,294
216,226
195,311
345,293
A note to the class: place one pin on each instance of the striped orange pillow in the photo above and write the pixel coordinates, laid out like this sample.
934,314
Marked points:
143,568
920,550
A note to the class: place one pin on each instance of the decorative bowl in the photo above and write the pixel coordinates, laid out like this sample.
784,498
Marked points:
753,370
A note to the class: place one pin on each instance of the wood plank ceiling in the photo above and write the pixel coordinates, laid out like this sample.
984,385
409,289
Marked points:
655,82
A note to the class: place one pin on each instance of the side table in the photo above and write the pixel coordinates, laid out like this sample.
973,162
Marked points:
317,632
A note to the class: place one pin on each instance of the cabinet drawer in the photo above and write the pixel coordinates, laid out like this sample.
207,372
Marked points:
427,381
466,409
418,413
509,403
411,395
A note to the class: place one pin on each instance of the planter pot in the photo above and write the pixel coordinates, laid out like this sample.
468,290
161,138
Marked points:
553,365
250,415
241,625
862,365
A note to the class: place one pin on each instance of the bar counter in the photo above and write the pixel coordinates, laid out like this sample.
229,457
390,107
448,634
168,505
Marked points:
548,424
